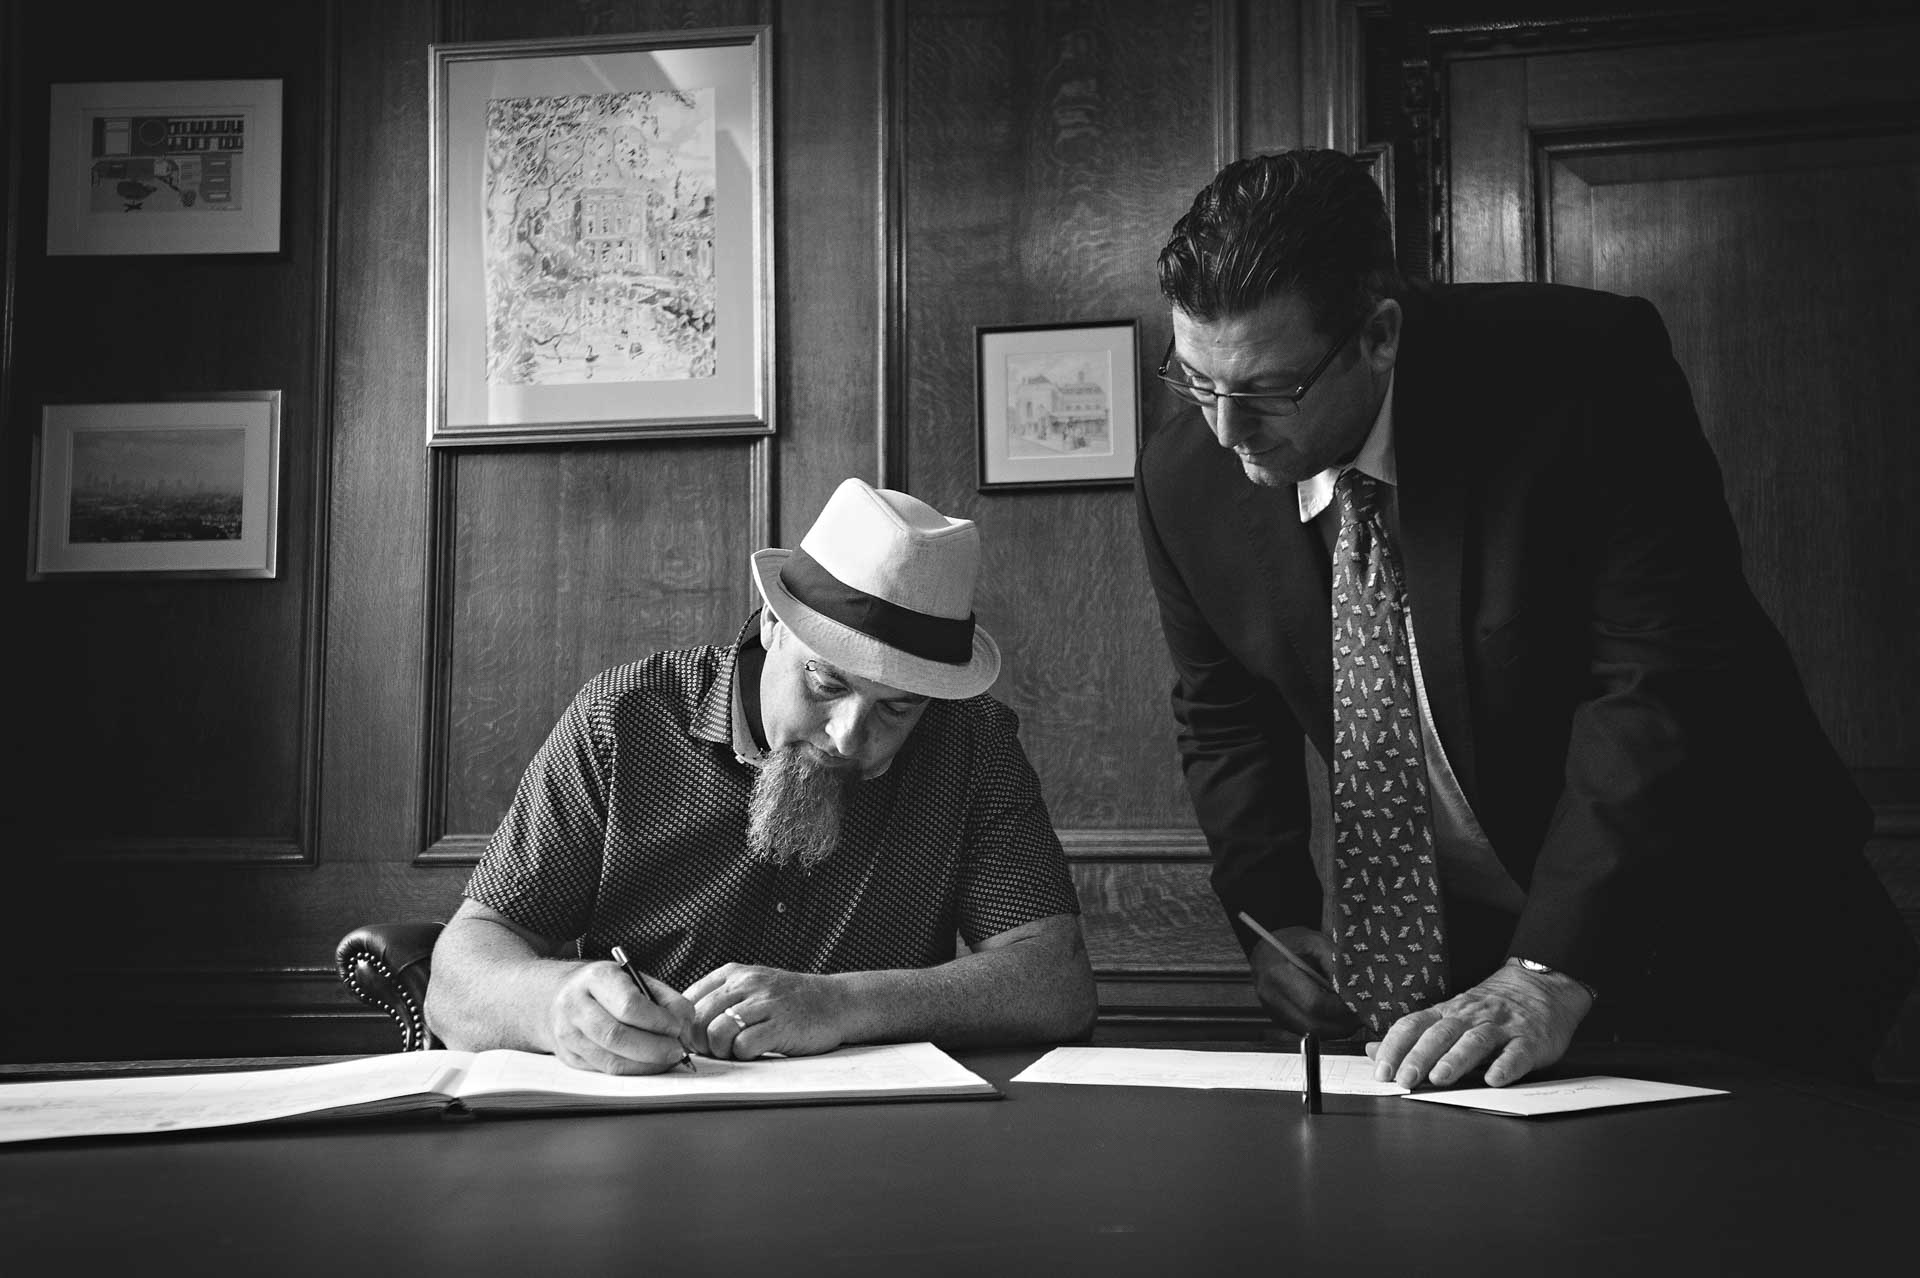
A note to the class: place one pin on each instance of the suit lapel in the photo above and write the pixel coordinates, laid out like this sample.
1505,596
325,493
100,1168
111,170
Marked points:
1288,579
1433,486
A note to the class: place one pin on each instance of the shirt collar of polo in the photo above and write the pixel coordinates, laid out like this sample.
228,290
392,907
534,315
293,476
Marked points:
1375,458
720,717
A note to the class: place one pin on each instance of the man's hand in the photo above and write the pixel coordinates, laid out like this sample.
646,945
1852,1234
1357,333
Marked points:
1293,998
1527,1017
599,1021
741,1012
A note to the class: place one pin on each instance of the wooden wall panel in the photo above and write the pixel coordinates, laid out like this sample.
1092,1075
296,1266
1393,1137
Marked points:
377,547
1048,149
570,561
167,717
829,304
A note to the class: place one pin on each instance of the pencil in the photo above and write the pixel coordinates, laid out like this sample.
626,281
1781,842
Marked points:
633,974
1288,954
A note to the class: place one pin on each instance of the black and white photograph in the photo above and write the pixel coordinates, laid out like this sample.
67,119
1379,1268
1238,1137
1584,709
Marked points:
878,638
177,486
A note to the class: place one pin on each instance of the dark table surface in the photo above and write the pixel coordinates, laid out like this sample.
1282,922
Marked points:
1779,1174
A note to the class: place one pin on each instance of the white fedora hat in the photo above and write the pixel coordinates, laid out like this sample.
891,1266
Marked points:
882,586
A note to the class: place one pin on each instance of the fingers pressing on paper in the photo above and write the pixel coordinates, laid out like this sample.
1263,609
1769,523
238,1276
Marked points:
1521,1021
742,1012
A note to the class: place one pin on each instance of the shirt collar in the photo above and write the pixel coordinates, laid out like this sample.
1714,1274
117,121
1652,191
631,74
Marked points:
1375,458
720,716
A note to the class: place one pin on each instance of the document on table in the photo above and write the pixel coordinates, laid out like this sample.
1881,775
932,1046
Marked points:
1174,1067
1563,1095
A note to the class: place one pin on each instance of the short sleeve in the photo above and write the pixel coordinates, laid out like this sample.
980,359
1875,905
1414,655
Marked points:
542,867
1013,870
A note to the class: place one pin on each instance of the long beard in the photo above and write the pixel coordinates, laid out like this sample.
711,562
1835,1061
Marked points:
795,810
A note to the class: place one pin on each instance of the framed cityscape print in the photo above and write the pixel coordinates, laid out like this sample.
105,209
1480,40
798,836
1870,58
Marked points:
601,264
1059,404
164,166
176,485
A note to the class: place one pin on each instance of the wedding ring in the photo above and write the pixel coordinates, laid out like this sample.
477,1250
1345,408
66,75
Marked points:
735,1018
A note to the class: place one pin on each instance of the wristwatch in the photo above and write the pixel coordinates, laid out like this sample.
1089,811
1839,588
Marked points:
1541,968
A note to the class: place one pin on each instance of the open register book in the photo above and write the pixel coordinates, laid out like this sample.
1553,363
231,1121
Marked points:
482,1083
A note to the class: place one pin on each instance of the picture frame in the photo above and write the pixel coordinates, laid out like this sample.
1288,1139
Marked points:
1058,404
164,166
168,486
601,264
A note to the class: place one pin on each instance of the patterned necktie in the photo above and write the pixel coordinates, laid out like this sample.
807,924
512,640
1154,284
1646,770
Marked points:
1391,954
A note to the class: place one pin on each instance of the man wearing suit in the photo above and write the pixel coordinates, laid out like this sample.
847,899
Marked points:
1470,545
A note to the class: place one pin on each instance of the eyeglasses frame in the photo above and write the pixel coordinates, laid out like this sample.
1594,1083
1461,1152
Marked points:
1272,398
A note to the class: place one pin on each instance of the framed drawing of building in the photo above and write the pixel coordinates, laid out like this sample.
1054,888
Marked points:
1059,404
602,251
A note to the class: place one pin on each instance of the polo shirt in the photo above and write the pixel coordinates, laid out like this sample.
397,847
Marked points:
629,828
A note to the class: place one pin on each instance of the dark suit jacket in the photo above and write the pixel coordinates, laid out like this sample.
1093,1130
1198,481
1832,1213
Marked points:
1625,721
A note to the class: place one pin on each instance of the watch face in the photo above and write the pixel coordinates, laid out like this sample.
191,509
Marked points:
1532,966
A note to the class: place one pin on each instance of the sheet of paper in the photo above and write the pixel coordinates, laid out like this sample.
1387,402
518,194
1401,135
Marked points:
1563,1095
851,1071
121,1106
1174,1067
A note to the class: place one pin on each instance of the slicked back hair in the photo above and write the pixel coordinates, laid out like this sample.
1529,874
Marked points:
1310,222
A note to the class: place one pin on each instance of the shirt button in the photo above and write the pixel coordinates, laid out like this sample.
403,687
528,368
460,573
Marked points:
780,907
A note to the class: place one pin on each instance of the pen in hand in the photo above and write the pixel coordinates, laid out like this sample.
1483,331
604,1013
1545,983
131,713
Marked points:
1288,954
633,974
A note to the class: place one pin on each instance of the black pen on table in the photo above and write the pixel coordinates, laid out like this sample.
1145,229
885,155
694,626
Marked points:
633,973
1310,1073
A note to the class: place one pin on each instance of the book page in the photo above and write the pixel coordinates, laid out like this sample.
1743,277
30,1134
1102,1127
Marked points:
1172,1067
182,1102
1563,1095
504,1079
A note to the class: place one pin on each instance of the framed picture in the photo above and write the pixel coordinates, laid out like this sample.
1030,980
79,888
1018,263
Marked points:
601,263
164,166
180,485
1059,403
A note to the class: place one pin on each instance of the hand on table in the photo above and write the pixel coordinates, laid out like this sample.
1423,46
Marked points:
740,1012
599,1021
1290,995
1527,1018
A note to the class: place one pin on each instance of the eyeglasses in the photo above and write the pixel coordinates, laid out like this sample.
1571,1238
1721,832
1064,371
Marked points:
1261,403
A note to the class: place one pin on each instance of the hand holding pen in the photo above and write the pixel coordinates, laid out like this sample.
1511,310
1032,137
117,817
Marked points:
619,956
1319,1009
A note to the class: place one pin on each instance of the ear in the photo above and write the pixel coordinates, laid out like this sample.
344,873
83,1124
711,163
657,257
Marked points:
770,628
1380,339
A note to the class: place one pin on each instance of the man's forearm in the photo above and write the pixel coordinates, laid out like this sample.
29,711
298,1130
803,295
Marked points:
1038,989
491,989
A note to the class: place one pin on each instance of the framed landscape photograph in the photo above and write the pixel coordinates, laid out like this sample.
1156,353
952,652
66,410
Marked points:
601,264
1059,404
179,485
164,166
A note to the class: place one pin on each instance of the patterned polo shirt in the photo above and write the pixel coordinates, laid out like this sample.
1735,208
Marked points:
629,828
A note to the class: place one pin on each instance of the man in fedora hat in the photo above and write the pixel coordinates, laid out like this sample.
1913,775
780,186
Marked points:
783,835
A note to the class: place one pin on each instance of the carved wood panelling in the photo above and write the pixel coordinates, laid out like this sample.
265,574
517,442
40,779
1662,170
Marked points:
567,562
169,719
1048,148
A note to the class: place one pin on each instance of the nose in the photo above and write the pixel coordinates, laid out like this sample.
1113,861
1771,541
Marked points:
849,727
1231,424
